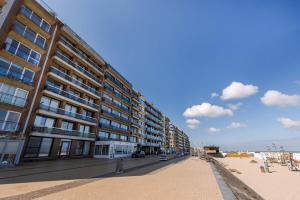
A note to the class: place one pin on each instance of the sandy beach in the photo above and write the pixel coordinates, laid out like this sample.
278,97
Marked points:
278,185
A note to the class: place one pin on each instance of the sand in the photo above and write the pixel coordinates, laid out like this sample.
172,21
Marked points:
281,184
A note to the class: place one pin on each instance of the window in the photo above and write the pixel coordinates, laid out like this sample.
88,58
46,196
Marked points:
123,137
103,135
74,93
114,136
67,125
12,95
35,18
9,120
106,109
50,102
41,121
38,147
89,99
115,124
86,149
107,97
69,109
117,102
124,127
116,113
79,148
84,128
87,113
22,51
104,121
101,149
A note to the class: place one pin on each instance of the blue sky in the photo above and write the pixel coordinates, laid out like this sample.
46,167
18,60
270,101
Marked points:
179,52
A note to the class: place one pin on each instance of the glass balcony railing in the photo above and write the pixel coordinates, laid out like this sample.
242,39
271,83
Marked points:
69,95
59,131
12,99
115,115
120,85
16,76
73,80
76,66
67,113
81,55
9,126
116,93
115,104
112,127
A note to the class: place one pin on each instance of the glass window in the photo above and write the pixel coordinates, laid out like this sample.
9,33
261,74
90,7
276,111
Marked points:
123,137
11,45
45,147
34,58
30,34
114,136
103,135
4,66
84,128
79,147
104,121
115,124
86,149
36,19
41,121
67,125
40,41
28,76
124,127
70,108
19,27
45,26
20,97
26,11
101,149
23,52
16,71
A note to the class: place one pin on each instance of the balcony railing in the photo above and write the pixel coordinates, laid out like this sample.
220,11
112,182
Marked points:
153,131
115,104
59,131
81,55
9,126
12,99
73,80
16,76
121,86
112,127
153,124
69,95
115,115
76,66
116,94
67,113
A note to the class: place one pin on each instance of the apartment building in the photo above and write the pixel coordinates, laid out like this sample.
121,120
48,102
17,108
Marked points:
116,135
25,37
153,128
60,99
179,141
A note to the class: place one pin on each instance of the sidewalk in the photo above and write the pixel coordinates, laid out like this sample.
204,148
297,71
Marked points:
190,179
39,175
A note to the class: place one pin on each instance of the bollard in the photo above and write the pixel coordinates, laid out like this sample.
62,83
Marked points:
119,166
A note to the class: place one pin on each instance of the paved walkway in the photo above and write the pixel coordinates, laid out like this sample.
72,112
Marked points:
177,179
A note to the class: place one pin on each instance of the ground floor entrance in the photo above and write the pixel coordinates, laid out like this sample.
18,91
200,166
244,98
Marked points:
10,151
49,148
114,149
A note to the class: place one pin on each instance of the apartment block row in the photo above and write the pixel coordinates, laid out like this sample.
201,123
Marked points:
60,99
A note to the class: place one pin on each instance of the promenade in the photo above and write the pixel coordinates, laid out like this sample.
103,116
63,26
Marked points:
184,178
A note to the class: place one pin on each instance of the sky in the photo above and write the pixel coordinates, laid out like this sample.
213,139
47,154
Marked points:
226,72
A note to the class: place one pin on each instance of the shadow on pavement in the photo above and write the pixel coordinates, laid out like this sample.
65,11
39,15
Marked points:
78,169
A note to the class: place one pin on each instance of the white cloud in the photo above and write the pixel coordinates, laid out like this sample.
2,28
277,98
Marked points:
235,106
235,125
213,95
276,98
237,90
214,130
288,123
207,110
192,123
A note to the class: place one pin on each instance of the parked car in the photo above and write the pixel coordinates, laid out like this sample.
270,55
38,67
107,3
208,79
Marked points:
138,154
164,157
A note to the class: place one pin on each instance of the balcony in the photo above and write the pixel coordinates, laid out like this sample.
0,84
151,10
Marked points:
73,80
115,116
81,55
67,113
106,126
76,66
69,95
9,126
115,104
153,131
12,99
17,76
60,131
153,124
120,85
116,94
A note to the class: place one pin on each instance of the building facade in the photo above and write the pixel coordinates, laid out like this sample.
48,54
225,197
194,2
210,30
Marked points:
60,99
